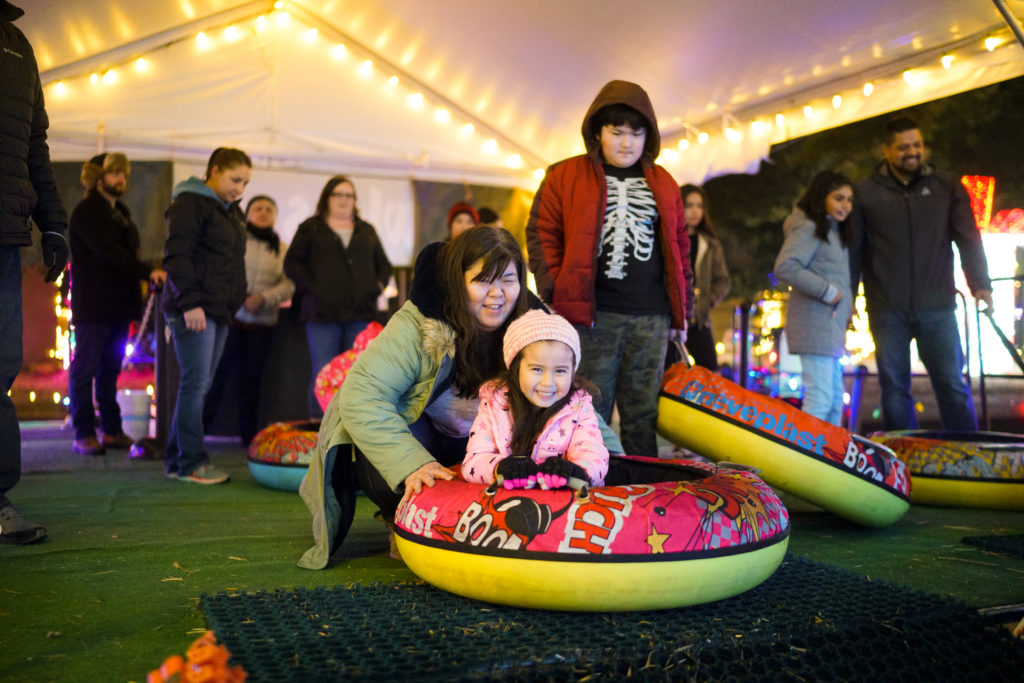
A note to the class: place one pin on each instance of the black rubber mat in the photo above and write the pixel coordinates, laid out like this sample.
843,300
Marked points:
1008,545
809,621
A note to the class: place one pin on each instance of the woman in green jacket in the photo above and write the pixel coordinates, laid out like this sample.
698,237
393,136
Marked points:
408,402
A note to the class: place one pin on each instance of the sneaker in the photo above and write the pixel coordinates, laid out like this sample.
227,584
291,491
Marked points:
14,528
116,441
205,474
88,445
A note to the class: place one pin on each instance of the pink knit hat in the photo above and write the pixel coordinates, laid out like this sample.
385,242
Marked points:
536,325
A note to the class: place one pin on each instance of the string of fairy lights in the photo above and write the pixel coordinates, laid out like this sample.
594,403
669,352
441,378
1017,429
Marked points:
292,23
792,118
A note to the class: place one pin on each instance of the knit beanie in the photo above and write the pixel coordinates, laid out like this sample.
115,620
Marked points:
461,207
536,325
94,169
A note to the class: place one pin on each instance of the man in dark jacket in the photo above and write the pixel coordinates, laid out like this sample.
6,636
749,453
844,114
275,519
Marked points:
27,190
906,218
105,298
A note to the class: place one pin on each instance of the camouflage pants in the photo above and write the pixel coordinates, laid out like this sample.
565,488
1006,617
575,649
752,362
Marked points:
624,355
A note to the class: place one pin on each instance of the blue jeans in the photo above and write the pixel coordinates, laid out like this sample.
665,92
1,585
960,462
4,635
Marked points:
10,364
198,354
938,345
327,340
823,387
99,350
624,355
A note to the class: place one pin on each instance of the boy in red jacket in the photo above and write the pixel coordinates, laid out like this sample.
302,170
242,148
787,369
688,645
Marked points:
609,249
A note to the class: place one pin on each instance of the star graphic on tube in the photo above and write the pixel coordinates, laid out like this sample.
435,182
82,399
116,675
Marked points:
657,541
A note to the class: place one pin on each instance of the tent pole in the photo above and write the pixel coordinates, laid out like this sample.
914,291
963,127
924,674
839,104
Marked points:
1010,20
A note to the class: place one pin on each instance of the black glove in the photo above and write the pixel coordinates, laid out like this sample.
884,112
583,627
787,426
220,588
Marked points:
556,473
55,254
517,472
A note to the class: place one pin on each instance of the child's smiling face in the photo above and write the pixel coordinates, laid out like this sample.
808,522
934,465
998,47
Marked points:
545,372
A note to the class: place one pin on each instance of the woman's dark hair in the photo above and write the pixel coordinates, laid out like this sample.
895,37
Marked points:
477,353
225,158
812,203
705,227
325,196
528,420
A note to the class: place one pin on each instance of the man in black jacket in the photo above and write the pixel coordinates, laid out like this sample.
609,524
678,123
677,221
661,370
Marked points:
27,190
906,218
105,298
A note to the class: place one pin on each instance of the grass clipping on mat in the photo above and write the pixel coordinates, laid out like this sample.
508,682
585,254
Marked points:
808,621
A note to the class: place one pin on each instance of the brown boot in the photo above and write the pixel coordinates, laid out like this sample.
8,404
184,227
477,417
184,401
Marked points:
116,441
88,445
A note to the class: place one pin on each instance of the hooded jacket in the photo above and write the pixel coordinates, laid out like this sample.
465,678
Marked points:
815,270
205,253
572,433
106,272
563,233
27,186
903,238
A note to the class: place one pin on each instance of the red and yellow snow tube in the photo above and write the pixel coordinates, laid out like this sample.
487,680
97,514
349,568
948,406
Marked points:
817,461
280,453
332,376
659,534
962,469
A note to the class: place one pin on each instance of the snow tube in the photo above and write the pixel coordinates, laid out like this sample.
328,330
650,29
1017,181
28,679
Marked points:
658,534
279,454
961,469
332,375
810,458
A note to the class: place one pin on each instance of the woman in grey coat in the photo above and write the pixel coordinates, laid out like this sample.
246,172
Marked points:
814,261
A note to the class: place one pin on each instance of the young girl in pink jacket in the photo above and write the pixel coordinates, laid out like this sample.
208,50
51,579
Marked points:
537,425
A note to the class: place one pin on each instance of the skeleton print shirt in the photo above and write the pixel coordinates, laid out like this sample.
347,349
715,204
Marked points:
630,277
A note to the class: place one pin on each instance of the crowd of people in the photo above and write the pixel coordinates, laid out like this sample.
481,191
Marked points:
474,374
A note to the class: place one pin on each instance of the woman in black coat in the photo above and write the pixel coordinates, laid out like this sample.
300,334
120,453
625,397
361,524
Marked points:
339,269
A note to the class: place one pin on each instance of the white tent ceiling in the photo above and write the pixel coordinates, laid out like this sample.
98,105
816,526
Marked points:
395,100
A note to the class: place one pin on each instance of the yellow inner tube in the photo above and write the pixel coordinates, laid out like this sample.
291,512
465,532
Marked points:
590,586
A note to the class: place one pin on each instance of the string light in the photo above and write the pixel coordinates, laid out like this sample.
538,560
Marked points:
231,34
869,88
808,111
468,129
415,100
703,137
202,41
442,115
110,77
366,68
837,101
310,35
59,89
946,61
491,146
339,52
992,42
141,65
